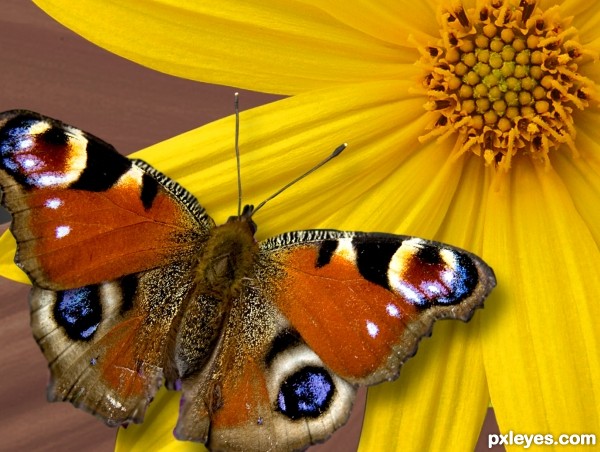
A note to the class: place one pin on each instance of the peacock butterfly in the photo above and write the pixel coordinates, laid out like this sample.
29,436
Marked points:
135,286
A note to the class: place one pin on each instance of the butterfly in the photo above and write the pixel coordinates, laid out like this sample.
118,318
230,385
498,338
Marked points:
135,286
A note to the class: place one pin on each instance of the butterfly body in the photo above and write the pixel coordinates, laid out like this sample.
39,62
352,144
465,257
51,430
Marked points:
229,256
134,286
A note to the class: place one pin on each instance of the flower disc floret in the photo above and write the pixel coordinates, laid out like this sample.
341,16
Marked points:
504,78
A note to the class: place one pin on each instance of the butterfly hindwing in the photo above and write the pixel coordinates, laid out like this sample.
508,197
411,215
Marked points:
82,212
263,388
109,344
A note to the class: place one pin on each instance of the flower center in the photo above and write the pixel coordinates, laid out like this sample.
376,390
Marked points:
504,78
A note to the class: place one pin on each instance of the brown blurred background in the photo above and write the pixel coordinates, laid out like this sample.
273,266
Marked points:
46,68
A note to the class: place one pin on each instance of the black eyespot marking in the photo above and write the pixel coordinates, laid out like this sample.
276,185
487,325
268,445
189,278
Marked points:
54,136
306,394
79,312
326,251
128,289
373,259
284,340
103,168
429,255
149,191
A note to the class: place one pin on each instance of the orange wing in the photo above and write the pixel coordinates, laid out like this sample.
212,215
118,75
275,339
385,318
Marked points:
83,213
363,301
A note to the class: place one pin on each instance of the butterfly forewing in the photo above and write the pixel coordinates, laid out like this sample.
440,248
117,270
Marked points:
83,213
379,292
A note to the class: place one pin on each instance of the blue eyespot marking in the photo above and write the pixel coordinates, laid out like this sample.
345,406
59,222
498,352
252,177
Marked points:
306,393
79,312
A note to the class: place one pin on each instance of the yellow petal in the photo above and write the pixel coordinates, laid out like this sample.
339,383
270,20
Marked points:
541,340
260,45
276,147
581,177
586,17
438,403
8,269
412,199
156,433
463,225
593,45
441,397
588,139
390,20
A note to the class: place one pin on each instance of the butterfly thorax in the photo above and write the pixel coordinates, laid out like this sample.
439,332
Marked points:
228,257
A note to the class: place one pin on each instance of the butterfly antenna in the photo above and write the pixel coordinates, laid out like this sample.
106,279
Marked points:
334,154
236,107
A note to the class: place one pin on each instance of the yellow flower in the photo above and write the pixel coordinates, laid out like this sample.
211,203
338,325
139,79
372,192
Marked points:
471,122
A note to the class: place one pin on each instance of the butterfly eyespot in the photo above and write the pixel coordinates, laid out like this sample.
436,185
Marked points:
306,393
54,136
79,312
427,275
428,255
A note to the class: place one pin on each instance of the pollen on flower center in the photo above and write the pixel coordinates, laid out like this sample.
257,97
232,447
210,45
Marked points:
504,78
